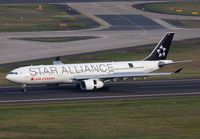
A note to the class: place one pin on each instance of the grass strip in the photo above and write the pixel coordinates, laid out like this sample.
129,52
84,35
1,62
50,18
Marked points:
137,118
27,18
173,7
31,9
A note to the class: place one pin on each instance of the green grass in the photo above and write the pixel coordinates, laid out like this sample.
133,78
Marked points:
27,18
127,119
187,7
40,27
27,9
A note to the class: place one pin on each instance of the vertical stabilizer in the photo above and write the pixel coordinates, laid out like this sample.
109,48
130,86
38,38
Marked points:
161,50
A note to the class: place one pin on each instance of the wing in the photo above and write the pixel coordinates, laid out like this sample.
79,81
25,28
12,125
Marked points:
124,75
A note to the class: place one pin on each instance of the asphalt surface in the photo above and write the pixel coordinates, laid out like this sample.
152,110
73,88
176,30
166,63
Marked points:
120,90
130,22
67,9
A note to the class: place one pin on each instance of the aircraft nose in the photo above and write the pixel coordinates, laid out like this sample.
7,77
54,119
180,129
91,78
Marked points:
8,77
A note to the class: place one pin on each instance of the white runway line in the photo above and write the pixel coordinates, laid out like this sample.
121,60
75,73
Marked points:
171,86
99,97
14,92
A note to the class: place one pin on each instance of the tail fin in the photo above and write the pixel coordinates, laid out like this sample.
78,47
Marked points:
161,50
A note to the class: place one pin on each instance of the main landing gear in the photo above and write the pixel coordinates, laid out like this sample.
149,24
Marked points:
24,88
77,86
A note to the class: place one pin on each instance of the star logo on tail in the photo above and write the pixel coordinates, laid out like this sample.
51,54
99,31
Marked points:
161,51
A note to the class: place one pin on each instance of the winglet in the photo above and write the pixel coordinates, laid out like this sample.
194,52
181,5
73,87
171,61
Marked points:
178,70
57,61
57,58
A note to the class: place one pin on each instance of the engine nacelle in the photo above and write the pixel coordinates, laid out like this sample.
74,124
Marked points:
91,84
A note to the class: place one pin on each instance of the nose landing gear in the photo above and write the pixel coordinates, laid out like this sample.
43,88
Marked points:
24,88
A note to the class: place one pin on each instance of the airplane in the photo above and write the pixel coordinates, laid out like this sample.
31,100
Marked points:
93,76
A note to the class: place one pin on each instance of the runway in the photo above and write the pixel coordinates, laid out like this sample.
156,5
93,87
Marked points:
120,90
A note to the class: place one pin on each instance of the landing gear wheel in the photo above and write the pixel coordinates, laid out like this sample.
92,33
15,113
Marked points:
78,86
24,88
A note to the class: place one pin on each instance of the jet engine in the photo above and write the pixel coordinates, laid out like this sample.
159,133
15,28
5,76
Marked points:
91,84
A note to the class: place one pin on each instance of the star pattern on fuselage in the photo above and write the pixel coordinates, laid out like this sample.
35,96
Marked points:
161,51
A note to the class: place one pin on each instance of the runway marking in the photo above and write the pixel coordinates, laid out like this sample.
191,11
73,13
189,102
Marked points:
14,93
169,86
133,23
100,97
48,47
30,92
156,81
8,87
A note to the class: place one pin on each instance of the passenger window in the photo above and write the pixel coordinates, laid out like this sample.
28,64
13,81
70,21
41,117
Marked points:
13,73
130,65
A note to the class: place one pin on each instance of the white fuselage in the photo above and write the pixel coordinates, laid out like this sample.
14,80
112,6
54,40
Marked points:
65,73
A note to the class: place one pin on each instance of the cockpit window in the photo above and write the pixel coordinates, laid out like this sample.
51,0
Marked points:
13,73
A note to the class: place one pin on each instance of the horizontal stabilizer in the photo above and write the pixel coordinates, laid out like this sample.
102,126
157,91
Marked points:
161,64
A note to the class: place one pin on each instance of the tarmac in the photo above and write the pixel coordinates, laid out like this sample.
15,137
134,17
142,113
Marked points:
118,90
